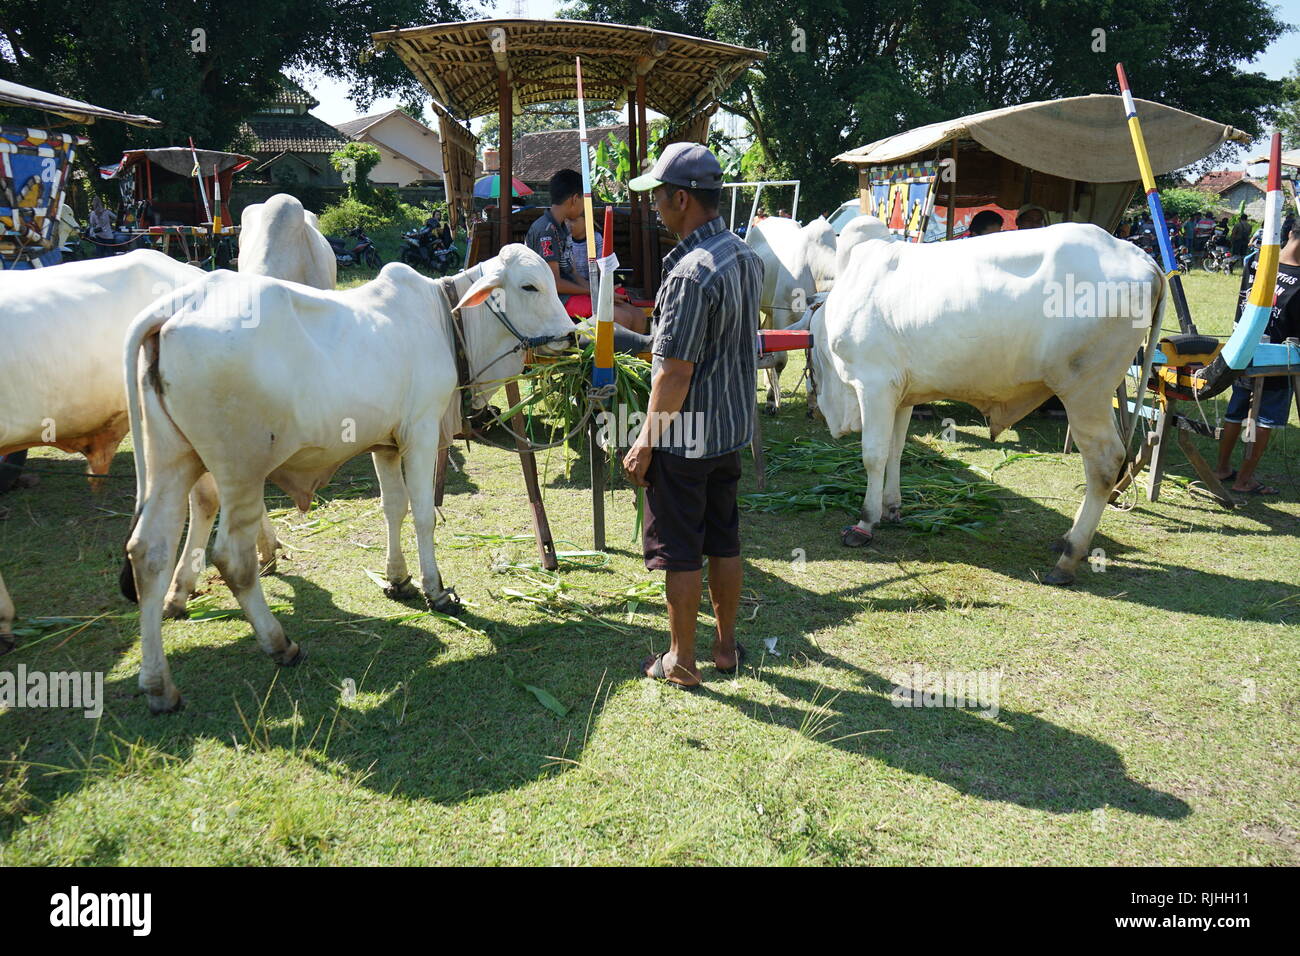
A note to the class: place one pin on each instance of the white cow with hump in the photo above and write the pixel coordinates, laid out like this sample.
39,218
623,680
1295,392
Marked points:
282,240
61,333
289,394
1001,322
798,262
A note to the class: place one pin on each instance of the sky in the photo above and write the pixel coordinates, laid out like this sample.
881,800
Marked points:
335,107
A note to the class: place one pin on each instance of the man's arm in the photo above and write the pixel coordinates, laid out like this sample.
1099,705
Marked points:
667,394
567,286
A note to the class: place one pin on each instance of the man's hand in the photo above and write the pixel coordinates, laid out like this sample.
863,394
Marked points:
636,462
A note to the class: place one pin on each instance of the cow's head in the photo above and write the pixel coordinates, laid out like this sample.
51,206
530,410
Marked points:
834,400
513,299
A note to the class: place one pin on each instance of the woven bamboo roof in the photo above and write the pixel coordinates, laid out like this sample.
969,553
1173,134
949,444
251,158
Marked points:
458,63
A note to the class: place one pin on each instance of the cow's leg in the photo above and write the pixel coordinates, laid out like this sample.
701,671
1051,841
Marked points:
1093,428
267,543
235,555
203,514
6,620
392,490
892,501
152,552
877,441
421,461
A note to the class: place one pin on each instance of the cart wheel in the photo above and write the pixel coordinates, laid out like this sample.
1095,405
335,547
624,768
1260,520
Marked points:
11,466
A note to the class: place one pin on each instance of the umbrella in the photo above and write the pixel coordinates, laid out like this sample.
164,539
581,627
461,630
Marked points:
489,187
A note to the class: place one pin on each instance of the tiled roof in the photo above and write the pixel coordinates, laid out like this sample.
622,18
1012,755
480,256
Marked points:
354,126
1217,180
297,134
291,94
538,156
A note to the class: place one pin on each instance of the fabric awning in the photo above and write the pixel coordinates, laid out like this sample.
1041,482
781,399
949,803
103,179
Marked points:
18,95
180,160
1082,138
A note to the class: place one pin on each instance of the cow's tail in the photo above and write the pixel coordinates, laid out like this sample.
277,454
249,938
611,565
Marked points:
147,324
1149,351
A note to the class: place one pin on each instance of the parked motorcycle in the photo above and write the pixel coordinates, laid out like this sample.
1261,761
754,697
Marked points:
359,251
1219,259
426,250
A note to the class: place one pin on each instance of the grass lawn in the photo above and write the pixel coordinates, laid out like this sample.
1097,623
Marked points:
1146,716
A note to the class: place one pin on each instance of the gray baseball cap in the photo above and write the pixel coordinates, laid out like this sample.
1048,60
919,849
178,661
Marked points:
682,164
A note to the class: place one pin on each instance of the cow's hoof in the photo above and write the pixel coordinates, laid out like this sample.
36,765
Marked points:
172,703
293,656
401,591
1058,577
893,514
855,537
446,602
770,409
175,610
7,643
268,569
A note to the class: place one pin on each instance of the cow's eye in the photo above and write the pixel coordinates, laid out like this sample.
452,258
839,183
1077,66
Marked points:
530,288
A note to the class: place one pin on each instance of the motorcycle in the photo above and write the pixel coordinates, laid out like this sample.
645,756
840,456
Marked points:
362,252
422,249
1219,258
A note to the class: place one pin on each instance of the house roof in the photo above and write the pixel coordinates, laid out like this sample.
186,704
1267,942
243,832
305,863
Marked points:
1221,180
291,93
297,134
458,63
538,156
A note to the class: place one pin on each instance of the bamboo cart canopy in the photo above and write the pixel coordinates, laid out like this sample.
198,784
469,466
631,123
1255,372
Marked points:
477,67
1073,156
458,64
16,94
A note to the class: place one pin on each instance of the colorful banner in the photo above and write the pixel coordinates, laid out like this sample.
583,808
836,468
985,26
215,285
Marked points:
34,169
902,197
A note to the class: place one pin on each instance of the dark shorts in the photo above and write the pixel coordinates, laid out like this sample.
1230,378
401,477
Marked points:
690,511
1275,404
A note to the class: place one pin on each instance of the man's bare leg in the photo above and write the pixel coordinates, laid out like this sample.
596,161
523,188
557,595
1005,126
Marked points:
1254,452
1227,442
631,317
683,591
725,575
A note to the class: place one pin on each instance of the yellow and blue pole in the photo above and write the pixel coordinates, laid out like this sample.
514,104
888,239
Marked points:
602,372
1153,203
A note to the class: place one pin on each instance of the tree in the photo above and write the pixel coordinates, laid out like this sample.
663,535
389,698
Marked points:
355,161
1288,116
839,75
559,115
200,66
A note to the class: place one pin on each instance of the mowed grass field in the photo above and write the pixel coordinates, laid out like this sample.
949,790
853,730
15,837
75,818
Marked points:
1148,715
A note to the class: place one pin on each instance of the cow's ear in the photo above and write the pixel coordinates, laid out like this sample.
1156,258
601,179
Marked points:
479,291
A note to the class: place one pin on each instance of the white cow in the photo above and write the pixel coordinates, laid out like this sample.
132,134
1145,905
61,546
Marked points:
1001,323
281,239
307,382
61,333
798,262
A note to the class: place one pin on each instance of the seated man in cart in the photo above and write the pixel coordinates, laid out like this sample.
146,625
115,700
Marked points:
1275,397
550,238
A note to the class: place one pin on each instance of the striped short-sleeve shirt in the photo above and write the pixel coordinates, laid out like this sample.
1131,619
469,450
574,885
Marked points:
706,313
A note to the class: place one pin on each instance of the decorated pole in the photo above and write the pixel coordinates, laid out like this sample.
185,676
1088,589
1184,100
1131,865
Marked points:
1240,347
197,173
602,373
216,201
1153,202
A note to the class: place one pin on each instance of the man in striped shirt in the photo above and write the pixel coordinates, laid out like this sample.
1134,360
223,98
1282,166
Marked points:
701,409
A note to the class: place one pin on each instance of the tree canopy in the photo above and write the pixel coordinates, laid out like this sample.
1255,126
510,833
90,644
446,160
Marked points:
200,66
889,65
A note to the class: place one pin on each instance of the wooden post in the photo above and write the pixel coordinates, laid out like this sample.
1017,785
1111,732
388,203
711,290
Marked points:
634,199
864,191
527,460
649,228
952,192
599,463
506,170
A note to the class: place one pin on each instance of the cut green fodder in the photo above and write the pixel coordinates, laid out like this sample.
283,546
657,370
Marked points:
937,495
